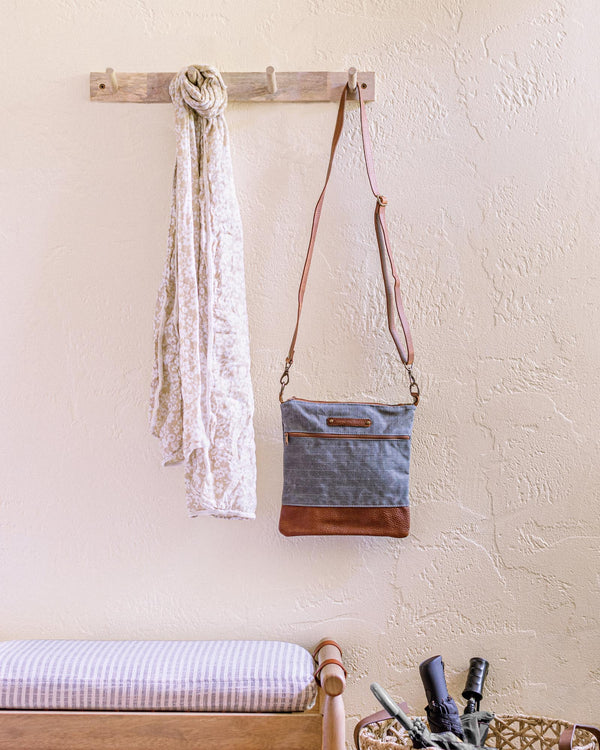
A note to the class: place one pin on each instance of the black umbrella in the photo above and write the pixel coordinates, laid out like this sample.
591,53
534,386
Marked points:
475,722
442,712
417,731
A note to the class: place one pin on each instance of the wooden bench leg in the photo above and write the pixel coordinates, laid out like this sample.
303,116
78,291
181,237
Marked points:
332,677
334,723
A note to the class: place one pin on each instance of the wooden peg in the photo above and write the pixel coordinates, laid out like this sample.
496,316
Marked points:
112,77
271,80
352,79
192,74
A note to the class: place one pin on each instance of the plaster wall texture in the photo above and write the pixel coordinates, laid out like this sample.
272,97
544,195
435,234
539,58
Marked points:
486,142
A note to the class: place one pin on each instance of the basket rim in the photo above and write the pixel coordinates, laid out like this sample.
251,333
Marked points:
506,717
536,717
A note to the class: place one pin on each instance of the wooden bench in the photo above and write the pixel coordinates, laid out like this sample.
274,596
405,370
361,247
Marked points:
319,728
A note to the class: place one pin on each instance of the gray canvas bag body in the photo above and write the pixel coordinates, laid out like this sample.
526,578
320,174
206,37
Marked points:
346,464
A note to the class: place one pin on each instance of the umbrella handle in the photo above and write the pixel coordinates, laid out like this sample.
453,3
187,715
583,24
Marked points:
391,707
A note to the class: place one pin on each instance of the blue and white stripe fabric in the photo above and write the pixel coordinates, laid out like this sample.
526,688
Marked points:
218,676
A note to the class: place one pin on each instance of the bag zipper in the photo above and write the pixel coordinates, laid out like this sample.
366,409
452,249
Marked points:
358,403
342,436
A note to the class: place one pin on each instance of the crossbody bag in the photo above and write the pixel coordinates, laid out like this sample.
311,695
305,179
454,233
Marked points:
346,464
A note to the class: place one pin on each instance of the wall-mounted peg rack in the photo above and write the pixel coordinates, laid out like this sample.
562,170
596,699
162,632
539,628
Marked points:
270,86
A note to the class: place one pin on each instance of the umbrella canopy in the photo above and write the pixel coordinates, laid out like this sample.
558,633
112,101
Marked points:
443,716
476,726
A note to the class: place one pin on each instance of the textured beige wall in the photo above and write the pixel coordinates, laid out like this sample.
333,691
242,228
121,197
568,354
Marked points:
486,138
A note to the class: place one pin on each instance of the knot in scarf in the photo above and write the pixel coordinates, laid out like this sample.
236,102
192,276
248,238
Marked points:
200,88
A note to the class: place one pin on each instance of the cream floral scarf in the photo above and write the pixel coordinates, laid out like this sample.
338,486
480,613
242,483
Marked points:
202,401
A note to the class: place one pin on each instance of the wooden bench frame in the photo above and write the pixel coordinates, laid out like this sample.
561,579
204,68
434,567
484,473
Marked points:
320,728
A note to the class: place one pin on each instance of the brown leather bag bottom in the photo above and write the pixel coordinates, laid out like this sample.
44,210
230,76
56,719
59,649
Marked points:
304,520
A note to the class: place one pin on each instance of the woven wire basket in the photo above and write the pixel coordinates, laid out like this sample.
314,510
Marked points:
506,733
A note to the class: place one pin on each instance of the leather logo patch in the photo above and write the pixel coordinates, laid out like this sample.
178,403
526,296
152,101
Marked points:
347,422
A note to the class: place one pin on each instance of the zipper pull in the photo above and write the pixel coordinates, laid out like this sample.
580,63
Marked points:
285,438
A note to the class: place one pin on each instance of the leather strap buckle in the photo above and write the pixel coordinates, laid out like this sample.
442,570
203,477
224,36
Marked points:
285,378
382,200
414,389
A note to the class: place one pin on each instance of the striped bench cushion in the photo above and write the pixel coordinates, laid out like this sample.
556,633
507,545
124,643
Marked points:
243,676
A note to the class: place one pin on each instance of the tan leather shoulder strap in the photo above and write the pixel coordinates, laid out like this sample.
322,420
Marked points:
394,304
566,738
373,719
315,222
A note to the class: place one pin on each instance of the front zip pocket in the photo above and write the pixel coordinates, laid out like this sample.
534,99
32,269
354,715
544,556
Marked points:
341,436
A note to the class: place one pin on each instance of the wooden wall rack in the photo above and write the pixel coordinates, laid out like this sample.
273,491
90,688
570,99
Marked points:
149,88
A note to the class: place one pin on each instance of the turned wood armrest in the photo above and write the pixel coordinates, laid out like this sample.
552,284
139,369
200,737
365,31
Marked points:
331,675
